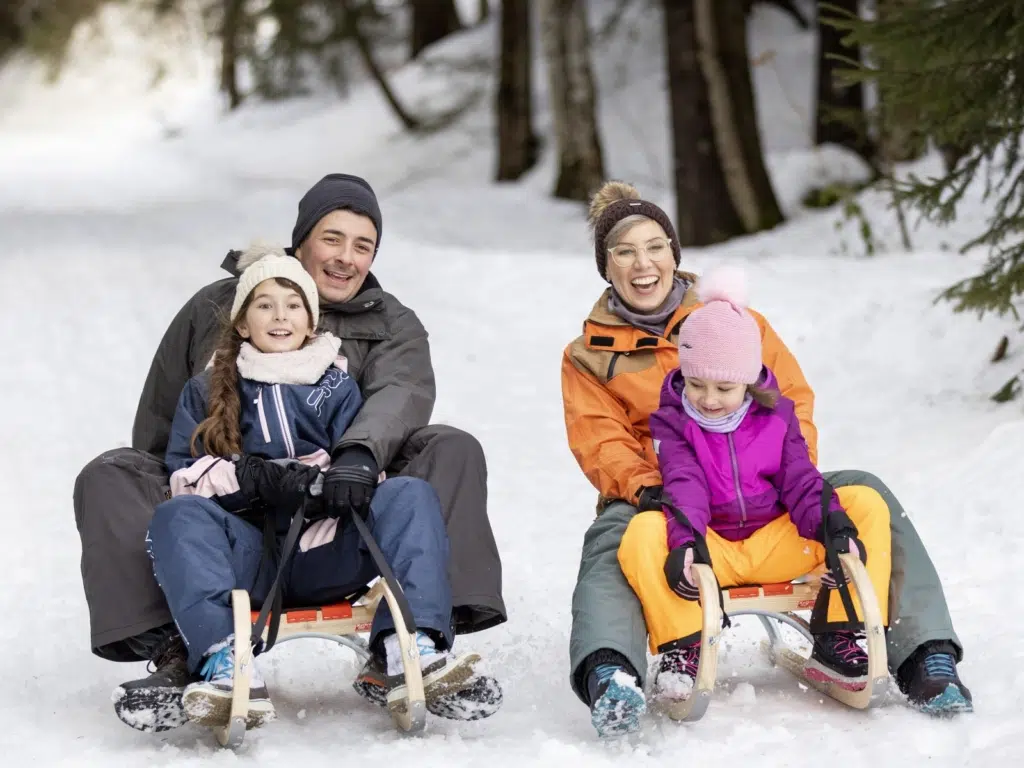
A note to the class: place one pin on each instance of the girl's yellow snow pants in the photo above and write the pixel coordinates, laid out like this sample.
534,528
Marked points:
774,553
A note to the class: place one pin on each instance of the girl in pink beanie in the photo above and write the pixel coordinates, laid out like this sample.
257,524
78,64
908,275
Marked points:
735,465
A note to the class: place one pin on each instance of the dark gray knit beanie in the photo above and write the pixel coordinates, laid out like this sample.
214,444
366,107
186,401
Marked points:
336,191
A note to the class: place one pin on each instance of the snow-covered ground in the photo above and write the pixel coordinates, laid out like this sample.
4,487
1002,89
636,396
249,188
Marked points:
117,205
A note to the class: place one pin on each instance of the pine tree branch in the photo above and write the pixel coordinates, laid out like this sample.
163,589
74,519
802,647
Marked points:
958,66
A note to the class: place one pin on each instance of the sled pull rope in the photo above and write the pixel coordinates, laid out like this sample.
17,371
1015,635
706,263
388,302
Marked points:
700,545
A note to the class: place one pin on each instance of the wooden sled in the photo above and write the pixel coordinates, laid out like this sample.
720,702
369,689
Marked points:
773,603
341,623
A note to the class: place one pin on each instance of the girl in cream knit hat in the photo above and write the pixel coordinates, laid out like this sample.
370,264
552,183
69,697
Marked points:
250,435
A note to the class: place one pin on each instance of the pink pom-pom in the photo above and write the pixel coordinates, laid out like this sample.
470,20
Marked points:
728,283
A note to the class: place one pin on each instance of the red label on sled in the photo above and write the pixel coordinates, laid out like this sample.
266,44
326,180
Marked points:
740,593
294,617
337,611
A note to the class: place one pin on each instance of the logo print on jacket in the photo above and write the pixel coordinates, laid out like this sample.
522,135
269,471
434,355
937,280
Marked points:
330,382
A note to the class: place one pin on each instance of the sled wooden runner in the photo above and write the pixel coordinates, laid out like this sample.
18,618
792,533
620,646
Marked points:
340,623
409,712
232,734
877,683
777,604
694,707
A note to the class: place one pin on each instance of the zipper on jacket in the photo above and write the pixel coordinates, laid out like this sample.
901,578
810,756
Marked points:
611,366
286,434
736,479
263,416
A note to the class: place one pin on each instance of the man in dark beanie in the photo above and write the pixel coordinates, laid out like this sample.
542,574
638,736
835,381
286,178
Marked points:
337,234
336,237
333,192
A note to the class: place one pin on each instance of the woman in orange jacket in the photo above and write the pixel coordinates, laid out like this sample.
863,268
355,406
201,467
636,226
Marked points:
612,376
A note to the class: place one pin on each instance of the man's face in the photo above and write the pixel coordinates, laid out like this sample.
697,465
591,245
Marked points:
338,254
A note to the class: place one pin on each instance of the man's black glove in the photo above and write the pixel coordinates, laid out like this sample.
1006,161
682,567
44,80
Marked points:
277,485
649,498
842,533
350,482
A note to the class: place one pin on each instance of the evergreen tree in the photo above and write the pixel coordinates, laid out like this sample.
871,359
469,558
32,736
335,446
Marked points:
958,66
839,110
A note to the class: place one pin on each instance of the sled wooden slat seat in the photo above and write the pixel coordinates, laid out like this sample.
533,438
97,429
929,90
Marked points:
335,619
783,597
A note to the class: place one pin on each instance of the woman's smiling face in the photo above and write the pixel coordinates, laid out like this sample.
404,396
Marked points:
641,266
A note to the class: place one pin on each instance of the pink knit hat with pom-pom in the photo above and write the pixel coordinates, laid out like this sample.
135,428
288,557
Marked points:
721,341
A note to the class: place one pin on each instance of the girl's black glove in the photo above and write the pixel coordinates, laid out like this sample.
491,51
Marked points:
842,533
272,483
678,572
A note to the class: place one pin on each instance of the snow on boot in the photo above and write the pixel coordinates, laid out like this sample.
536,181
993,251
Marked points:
208,703
153,704
677,672
837,658
482,698
931,684
617,702
479,697
371,682
452,686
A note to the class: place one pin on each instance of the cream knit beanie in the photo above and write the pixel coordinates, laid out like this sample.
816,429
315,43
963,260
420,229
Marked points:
259,263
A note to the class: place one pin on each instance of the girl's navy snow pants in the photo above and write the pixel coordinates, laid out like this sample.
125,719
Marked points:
201,552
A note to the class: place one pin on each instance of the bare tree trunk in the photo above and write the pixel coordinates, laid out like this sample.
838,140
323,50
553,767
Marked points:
899,139
11,32
366,52
573,99
786,6
288,45
485,11
722,44
840,111
705,213
518,146
432,20
230,31
952,154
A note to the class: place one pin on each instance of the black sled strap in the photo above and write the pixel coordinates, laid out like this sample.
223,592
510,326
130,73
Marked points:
387,574
273,604
832,556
